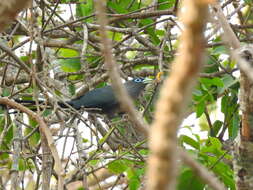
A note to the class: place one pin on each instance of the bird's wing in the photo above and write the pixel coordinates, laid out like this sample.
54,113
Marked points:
102,98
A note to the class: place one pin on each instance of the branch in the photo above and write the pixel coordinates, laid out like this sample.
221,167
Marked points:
9,10
120,92
229,36
45,130
15,57
201,171
149,14
174,97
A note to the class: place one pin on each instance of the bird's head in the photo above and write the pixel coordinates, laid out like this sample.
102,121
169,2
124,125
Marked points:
136,85
142,80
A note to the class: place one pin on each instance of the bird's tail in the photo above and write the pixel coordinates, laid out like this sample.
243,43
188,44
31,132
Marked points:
64,104
32,103
29,102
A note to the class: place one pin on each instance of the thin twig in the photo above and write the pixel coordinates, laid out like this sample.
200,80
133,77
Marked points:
120,92
201,171
45,130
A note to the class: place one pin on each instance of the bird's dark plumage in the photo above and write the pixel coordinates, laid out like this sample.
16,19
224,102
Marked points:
103,100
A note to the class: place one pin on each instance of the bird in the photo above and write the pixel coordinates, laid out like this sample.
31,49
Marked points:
102,100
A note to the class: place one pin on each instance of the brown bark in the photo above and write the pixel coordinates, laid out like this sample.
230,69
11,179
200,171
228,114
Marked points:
47,163
243,147
15,178
9,10
174,97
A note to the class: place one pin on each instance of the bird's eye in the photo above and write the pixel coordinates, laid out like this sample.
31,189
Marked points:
138,80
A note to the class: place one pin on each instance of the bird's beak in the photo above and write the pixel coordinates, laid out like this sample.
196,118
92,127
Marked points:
147,80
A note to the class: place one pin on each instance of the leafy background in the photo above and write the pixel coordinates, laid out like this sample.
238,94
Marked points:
59,41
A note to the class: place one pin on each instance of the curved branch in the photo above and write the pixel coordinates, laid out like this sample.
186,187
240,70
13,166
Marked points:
45,130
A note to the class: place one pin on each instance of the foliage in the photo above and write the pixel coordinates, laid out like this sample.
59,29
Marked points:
54,47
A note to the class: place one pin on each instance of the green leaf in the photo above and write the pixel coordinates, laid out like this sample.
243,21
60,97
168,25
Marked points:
224,172
217,82
215,142
72,89
116,36
220,50
116,7
85,9
75,77
160,32
190,141
150,30
213,148
249,2
34,139
144,152
7,139
6,92
9,135
103,139
134,183
216,128
203,124
224,104
70,65
211,64
189,180
200,108
134,175
233,130
32,122
47,112
68,1
68,53
94,162
211,82
124,6
119,6
117,166
2,109
21,165
163,6
24,58
228,82
197,92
